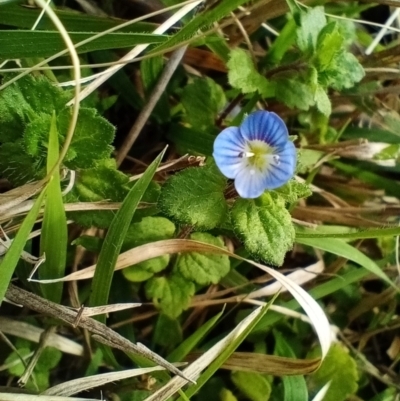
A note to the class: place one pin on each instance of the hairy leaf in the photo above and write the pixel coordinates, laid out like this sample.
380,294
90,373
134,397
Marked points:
203,268
171,294
203,100
265,227
244,76
195,196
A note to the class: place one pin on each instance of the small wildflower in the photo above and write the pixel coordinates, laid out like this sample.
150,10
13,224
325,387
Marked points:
258,155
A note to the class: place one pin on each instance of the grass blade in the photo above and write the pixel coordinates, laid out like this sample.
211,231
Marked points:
115,237
54,238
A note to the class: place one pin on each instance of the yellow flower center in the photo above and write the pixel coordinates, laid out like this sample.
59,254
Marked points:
259,156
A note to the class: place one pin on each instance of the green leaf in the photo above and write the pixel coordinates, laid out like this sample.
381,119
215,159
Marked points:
203,268
23,101
195,196
311,23
203,100
101,283
91,141
340,369
171,294
344,72
54,238
193,141
322,101
265,227
254,386
17,166
167,331
100,183
149,229
330,44
293,190
297,91
243,75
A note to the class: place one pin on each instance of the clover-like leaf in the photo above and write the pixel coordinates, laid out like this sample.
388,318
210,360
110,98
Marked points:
311,23
244,76
203,268
203,100
340,369
195,196
265,227
171,294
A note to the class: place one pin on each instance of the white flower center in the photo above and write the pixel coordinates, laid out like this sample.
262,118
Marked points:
259,156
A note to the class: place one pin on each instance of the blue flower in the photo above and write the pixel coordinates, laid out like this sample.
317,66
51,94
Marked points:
258,155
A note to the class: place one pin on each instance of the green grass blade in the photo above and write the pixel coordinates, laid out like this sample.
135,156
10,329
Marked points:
295,387
202,21
24,17
115,236
341,248
190,343
54,237
10,261
362,234
27,44
221,358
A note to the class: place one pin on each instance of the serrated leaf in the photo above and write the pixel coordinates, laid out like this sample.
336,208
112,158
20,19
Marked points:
171,294
297,91
195,196
100,183
330,44
149,229
91,141
294,190
265,227
339,368
244,76
17,166
203,268
311,23
167,332
344,72
203,100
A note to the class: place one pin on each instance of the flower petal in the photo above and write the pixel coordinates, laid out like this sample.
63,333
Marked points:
250,182
265,126
277,175
228,146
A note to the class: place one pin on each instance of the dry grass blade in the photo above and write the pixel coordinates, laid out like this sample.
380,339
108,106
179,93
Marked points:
193,371
159,248
266,364
86,383
30,397
15,196
99,310
33,333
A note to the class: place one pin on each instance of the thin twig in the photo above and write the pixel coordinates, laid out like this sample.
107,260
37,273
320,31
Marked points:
158,90
99,331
